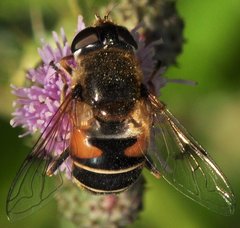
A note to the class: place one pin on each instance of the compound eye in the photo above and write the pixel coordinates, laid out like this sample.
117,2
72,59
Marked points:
125,36
84,38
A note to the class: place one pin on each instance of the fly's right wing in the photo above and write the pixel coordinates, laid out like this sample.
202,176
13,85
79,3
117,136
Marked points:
185,164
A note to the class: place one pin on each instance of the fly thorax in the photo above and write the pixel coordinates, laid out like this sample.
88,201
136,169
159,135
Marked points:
111,86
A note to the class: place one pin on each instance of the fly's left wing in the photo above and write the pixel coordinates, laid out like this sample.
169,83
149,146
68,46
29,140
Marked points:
32,186
185,164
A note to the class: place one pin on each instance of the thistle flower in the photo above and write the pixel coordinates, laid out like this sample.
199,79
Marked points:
87,210
36,104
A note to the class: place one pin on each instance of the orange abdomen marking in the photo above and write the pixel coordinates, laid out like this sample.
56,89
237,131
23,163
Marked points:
138,148
80,146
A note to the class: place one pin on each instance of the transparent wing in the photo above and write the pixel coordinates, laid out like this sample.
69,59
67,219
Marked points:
185,164
31,187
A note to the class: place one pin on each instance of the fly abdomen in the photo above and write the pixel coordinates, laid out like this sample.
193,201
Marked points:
105,181
113,171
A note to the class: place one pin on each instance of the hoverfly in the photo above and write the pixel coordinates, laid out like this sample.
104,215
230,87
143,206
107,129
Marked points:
117,127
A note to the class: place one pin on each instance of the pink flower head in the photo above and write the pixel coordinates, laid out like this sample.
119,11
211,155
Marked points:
36,104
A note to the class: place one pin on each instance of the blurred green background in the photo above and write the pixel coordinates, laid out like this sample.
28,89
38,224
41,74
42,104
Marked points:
210,111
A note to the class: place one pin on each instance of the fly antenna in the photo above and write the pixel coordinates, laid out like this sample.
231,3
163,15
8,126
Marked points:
111,7
106,18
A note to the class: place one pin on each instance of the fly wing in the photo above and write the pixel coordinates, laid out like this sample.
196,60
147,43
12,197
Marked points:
185,164
32,187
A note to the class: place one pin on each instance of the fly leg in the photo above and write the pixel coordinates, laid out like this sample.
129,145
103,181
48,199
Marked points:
56,163
152,168
63,68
